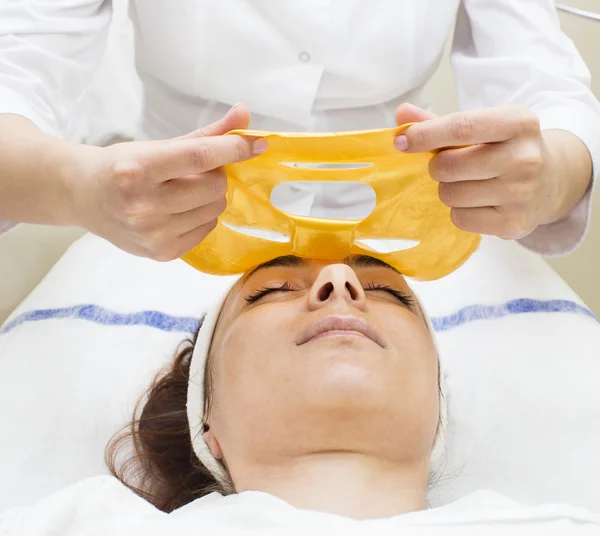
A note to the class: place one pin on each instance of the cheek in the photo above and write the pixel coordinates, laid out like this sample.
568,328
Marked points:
417,362
409,336
247,363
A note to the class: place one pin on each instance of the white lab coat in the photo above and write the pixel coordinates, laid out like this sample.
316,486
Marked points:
304,64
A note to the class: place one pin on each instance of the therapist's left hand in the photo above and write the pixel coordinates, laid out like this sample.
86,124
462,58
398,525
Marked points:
494,167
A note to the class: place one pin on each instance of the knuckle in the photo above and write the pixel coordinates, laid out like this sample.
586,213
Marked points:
201,156
444,165
162,250
220,206
211,226
155,255
139,217
530,122
530,159
129,180
193,239
220,184
162,256
241,149
205,229
506,233
128,174
417,136
462,127
515,226
460,219
446,193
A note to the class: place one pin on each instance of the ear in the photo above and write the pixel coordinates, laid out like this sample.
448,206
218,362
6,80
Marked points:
213,444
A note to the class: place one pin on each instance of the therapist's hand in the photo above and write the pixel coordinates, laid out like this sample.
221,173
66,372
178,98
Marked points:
159,199
510,178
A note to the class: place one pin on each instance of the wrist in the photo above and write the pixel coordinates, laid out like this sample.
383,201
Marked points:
76,179
568,169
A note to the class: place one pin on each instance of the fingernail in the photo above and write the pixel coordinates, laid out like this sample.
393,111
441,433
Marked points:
401,143
260,146
236,105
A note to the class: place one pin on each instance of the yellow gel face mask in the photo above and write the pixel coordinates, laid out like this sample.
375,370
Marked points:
407,207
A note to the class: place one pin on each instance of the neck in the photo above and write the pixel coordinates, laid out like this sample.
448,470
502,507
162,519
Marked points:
343,483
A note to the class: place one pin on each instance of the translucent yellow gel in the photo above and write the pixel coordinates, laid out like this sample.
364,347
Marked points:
408,207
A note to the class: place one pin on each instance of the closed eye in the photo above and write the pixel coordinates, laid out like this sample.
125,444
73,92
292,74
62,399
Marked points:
259,293
403,298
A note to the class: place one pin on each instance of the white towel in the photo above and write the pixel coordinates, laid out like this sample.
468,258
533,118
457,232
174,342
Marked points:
102,506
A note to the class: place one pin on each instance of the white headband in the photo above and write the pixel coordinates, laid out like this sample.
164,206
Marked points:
196,395
195,398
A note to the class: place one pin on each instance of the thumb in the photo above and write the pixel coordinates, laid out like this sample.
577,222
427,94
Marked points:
409,113
238,117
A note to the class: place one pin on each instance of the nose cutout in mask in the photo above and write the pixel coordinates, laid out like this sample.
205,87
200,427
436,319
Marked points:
407,210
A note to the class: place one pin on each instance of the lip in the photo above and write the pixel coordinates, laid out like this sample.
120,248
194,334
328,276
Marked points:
335,324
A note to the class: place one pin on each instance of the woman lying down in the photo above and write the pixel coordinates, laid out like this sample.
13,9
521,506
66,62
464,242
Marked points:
311,401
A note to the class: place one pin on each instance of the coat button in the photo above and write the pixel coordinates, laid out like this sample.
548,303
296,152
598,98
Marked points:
304,57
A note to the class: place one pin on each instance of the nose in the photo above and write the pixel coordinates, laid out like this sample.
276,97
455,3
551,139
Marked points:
337,282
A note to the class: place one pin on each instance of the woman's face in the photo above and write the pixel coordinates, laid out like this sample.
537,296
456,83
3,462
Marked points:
310,357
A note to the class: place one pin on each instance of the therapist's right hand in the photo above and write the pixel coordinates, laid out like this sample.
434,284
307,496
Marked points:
159,199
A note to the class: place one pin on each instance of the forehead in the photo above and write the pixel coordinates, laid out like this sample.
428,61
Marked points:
291,261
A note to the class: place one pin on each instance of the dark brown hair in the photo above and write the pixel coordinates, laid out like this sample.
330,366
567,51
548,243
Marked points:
153,455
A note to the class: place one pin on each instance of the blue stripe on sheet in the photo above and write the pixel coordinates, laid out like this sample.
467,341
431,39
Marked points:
472,313
186,324
106,317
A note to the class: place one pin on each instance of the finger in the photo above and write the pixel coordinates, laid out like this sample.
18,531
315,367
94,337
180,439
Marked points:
481,220
508,224
167,247
471,127
176,158
484,193
473,163
409,113
191,239
185,222
182,195
238,117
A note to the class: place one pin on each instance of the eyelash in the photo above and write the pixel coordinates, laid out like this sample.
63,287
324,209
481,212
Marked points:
400,296
286,287
259,293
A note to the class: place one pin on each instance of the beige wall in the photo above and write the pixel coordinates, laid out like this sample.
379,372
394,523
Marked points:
581,269
26,255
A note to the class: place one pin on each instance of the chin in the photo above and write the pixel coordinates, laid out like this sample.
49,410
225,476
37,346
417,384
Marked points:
349,381
345,371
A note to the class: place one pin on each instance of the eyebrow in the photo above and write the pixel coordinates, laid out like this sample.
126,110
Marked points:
366,261
287,261
292,261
